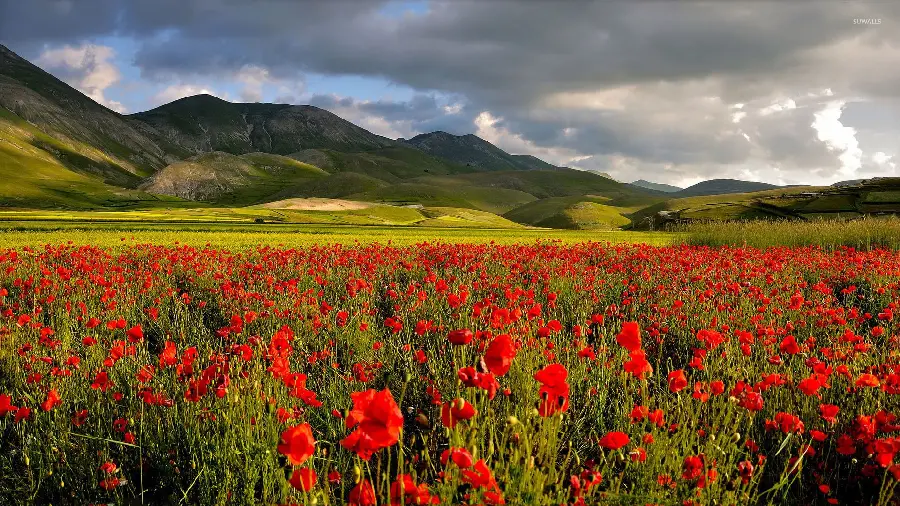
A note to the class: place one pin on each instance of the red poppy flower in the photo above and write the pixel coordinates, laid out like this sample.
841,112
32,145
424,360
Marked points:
378,420
460,337
101,381
460,456
499,355
554,391
135,334
809,386
456,411
630,336
363,494
303,479
52,400
405,491
297,444
614,440
867,380
638,365
6,405
828,412
692,467
677,380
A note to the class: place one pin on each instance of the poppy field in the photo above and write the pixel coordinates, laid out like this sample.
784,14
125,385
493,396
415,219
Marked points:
439,373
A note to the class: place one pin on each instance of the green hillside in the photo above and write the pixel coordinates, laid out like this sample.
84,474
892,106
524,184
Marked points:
573,212
495,200
38,171
227,179
870,197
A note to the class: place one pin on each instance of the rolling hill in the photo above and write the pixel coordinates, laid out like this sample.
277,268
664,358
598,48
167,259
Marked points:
722,187
665,188
224,178
869,197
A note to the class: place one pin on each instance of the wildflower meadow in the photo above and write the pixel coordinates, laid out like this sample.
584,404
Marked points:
458,374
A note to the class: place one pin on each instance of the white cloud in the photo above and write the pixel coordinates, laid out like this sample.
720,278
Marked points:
87,68
253,78
782,105
487,129
838,137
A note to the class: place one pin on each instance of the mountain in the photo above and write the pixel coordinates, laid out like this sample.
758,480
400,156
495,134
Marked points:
203,123
665,188
61,149
229,179
722,187
533,163
473,151
82,134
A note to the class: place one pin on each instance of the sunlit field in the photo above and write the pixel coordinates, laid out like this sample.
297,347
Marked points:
563,372
865,233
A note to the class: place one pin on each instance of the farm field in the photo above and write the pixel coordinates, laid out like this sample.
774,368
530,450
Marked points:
452,366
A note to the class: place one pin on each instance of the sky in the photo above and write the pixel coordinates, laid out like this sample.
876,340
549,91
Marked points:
801,92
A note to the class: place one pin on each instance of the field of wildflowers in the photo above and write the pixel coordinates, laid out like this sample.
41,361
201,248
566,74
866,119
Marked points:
535,373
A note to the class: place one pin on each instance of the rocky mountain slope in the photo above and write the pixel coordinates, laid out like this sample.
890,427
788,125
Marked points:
203,123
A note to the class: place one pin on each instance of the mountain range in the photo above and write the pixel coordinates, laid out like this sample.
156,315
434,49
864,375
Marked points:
59,149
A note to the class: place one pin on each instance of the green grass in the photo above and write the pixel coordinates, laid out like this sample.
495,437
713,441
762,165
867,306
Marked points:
31,177
249,235
865,233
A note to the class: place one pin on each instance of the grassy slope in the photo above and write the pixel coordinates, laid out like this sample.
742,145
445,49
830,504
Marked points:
769,204
552,183
230,180
795,203
574,212
32,177
474,197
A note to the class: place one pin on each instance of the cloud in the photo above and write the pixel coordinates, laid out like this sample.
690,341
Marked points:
86,67
421,114
670,91
839,138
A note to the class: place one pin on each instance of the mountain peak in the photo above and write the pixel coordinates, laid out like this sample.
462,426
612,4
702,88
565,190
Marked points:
473,151
204,123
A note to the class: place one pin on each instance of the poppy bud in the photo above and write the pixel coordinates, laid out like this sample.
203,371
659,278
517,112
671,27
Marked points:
512,420
736,437
407,377
357,474
422,420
